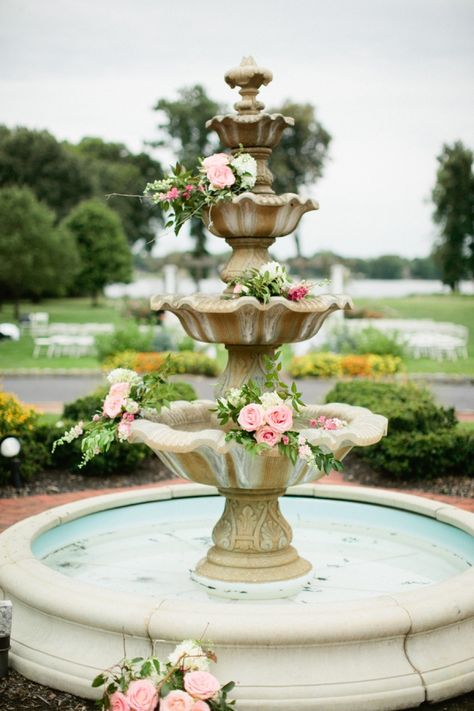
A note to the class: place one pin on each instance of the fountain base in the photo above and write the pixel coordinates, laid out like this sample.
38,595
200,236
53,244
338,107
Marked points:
276,590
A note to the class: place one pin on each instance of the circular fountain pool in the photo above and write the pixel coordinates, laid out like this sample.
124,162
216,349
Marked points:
386,622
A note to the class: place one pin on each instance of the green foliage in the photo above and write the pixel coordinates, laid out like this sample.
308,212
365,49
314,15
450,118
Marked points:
423,439
388,266
366,340
453,197
124,338
36,259
35,159
18,420
103,248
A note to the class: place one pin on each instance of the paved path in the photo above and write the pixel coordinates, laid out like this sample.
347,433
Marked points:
49,392
13,510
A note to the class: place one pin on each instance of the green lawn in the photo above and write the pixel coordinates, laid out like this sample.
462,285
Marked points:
19,354
443,307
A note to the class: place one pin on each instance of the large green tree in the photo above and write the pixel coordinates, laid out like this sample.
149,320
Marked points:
102,244
183,130
453,197
35,159
115,169
36,258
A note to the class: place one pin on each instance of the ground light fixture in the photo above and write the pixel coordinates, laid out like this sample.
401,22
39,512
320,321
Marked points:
10,448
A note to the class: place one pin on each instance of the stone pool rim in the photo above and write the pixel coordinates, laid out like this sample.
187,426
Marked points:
441,614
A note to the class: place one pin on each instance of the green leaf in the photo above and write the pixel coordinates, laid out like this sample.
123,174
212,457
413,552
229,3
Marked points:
98,681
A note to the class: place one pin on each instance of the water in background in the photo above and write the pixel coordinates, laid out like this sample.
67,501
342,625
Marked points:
144,287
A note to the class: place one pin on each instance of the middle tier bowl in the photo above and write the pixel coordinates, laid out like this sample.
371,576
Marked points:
244,321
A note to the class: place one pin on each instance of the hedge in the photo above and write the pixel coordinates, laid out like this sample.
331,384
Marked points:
328,365
423,438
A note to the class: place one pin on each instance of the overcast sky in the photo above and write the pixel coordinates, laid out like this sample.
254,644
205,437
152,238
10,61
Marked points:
391,79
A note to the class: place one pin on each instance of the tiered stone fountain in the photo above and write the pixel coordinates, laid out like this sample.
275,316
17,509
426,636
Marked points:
252,540
386,620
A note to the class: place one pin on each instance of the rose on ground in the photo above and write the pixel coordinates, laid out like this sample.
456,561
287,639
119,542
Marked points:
280,418
177,701
267,435
251,417
142,695
217,159
220,176
201,685
119,702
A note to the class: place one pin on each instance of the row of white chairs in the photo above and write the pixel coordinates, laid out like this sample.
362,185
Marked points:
64,345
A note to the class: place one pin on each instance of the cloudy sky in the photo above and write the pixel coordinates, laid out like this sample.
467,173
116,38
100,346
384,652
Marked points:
391,79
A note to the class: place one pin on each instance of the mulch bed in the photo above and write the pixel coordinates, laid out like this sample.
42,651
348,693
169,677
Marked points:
20,694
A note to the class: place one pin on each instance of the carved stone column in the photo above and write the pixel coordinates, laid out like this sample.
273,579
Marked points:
244,362
252,541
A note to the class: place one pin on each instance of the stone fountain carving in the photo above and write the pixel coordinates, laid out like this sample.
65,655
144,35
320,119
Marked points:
252,552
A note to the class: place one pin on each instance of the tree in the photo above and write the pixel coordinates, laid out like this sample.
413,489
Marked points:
36,259
300,158
35,159
388,266
102,244
115,169
185,133
453,196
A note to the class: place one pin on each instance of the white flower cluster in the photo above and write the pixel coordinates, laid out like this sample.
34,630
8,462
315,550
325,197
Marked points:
74,432
271,400
124,375
276,272
194,659
153,190
246,167
234,398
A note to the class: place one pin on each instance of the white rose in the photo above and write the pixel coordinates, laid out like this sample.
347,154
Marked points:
270,400
234,397
194,659
274,270
131,406
123,375
245,166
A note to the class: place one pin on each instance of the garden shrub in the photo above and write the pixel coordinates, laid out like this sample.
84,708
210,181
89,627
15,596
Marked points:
327,365
423,438
188,362
127,337
364,341
20,421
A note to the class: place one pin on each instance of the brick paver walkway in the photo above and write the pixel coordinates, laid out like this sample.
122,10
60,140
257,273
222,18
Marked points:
13,510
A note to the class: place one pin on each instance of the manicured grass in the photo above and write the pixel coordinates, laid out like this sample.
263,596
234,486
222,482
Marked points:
442,307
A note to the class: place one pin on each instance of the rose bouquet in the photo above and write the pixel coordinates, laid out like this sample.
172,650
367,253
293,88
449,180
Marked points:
271,279
182,683
129,394
265,420
185,193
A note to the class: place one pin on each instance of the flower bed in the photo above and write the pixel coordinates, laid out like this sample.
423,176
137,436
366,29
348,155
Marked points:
189,362
328,365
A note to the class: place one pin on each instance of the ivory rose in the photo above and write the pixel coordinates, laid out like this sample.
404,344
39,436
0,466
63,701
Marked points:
142,695
267,435
119,702
280,418
177,701
251,417
215,160
201,685
220,176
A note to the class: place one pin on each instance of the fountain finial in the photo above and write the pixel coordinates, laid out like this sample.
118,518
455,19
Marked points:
250,78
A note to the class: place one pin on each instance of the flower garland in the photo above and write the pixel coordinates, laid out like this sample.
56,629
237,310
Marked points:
182,683
128,395
265,420
185,193
271,279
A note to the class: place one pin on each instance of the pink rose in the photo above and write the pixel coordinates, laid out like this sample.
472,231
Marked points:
280,418
112,406
142,695
172,194
201,684
124,429
251,417
285,439
333,423
313,423
120,390
119,702
297,292
96,418
237,289
201,706
215,160
177,701
267,435
220,176
304,451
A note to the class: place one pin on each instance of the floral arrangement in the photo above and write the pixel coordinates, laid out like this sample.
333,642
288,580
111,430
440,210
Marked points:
182,683
128,395
185,193
265,420
271,279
